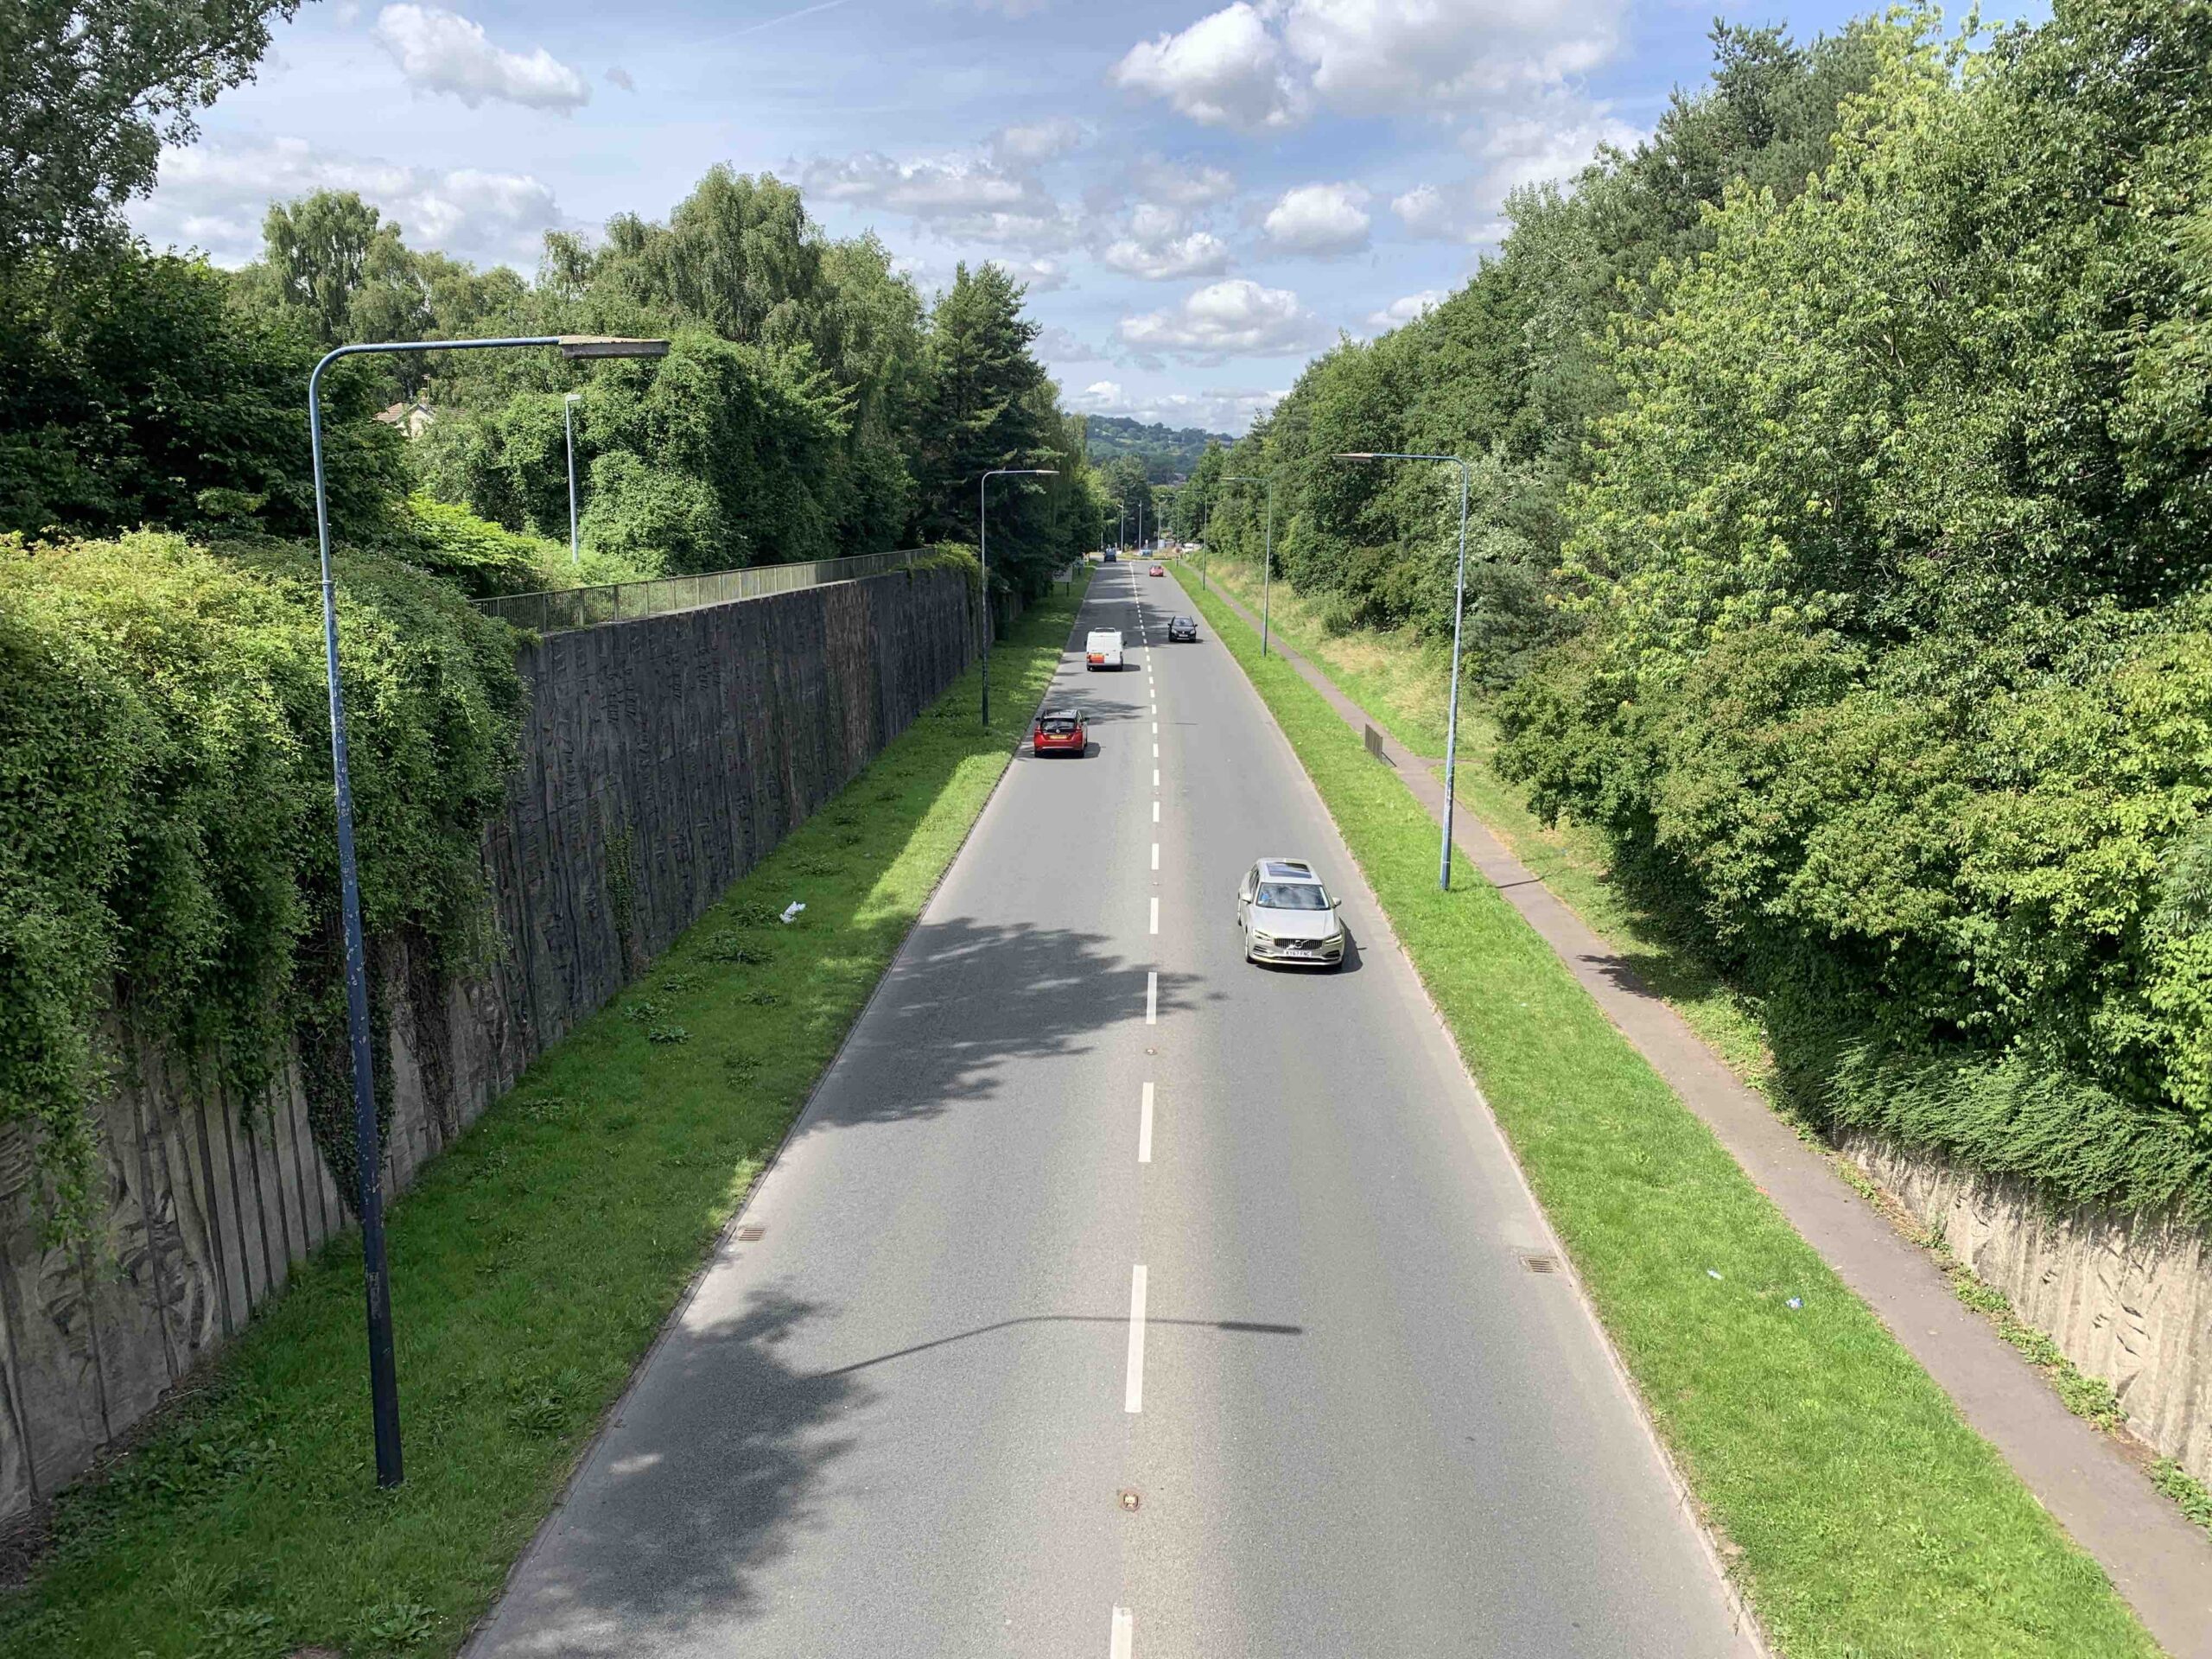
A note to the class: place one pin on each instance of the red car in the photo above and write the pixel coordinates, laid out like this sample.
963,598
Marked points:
1059,731
1158,570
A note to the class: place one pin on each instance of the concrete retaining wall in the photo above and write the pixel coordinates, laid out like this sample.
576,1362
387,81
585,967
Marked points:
660,760
2129,1301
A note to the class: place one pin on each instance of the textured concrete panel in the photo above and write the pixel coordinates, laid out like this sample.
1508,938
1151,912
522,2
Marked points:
659,759
2128,1300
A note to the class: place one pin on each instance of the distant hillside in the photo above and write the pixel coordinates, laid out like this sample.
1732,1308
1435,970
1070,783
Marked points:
1165,451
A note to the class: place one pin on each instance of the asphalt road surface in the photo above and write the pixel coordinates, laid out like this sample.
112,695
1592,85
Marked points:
1115,1297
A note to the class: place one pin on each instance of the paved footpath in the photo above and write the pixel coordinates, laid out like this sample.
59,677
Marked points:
2159,1562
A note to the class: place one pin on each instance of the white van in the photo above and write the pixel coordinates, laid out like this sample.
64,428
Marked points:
1103,650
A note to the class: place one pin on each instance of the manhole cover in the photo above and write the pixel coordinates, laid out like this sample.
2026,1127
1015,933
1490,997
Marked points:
746,1234
1539,1263
1129,1499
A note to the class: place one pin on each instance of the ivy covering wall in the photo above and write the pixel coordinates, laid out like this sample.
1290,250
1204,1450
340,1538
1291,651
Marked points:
167,863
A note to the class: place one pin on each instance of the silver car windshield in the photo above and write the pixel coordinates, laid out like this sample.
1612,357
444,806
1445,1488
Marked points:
1285,895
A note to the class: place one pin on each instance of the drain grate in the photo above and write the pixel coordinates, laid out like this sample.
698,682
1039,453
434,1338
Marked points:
1536,1264
746,1234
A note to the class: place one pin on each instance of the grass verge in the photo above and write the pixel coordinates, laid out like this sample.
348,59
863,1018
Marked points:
1403,683
1862,1516
532,1265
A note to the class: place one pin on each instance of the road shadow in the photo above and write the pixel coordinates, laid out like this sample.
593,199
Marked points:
717,1469
967,1001
711,1474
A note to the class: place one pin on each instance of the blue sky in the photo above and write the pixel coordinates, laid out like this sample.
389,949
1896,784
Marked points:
1200,195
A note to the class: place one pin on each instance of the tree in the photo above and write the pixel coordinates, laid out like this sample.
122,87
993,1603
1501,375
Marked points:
991,405
91,91
137,394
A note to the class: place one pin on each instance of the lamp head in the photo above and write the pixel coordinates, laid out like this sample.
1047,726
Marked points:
584,345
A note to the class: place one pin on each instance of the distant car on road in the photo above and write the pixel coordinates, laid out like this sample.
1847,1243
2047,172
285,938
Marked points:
1182,629
1059,731
1287,915
1103,650
1112,557
1158,570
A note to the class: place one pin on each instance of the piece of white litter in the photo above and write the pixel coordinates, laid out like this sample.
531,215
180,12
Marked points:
1796,1301
794,908
1710,1273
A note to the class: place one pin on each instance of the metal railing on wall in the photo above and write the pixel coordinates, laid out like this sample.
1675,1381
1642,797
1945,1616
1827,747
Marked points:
565,608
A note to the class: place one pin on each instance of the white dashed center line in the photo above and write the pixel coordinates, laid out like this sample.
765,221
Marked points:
1155,915
1123,1643
1144,1127
1151,998
1133,1395
1155,854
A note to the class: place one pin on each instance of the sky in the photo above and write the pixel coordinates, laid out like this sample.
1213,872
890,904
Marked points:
1200,197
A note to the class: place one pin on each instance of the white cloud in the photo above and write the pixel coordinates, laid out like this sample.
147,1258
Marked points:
1551,139
971,198
1016,148
213,197
441,51
1038,276
1230,411
1228,70
1442,216
1405,310
1320,219
1167,258
1236,318
1182,184
1058,344
1268,65
618,76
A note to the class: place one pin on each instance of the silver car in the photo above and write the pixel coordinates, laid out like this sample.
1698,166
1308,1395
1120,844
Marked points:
1287,915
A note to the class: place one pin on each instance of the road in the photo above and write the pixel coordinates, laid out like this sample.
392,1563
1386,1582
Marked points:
1113,1297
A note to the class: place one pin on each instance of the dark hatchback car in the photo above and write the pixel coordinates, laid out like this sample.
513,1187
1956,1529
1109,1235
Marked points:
1183,629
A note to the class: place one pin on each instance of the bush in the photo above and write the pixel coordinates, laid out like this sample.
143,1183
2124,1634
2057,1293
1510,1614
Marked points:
166,848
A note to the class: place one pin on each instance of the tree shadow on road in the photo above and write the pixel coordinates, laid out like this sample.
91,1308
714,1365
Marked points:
967,1001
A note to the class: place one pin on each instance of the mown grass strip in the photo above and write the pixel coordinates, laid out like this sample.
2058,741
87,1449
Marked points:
1403,684
1862,1515
530,1265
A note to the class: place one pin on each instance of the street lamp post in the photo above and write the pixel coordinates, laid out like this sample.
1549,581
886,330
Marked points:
984,556
1267,556
569,419
1458,611
383,1385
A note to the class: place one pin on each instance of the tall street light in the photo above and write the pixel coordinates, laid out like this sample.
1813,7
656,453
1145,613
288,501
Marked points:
384,1386
1267,558
569,419
984,556
1458,610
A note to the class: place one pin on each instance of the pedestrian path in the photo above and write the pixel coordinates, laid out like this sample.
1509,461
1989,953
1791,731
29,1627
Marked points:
2155,1558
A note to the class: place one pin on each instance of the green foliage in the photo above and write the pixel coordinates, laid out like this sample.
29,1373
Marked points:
137,394
91,91
1511,371
165,805
1897,674
1162,452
